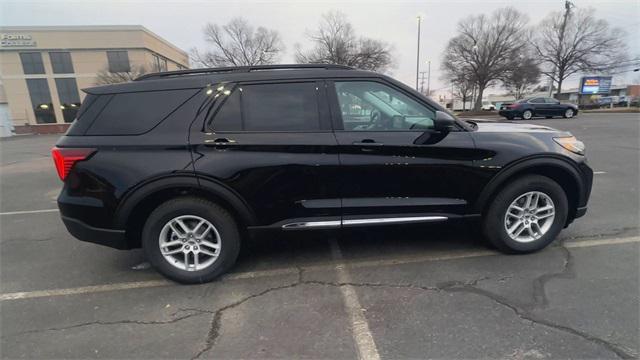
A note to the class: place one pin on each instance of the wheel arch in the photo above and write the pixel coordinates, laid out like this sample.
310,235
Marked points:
556,168
137,206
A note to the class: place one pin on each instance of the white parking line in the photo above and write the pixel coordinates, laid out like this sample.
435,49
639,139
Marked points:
29,212
599,172
362,336
292,271
84,290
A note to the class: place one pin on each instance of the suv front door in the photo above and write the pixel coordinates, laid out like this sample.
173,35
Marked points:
271,143
395,166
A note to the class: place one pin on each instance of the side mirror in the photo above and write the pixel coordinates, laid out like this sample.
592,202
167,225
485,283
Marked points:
444,121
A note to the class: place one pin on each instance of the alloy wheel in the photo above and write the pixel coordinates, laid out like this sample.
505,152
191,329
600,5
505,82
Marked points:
190,243
529,217
527,114
568,113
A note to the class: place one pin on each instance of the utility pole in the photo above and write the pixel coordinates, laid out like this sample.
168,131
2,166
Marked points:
429,78
568,5
418,52
422,81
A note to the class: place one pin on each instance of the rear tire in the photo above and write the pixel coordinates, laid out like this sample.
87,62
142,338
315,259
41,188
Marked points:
496,222
211,236
527,115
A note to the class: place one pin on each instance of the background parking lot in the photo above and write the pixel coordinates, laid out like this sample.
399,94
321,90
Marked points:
400,292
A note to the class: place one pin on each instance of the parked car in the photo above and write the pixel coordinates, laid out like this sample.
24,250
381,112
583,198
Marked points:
187,164
539,107
606,101
487,105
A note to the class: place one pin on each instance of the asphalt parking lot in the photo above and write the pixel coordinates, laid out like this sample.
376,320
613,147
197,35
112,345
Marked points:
402,292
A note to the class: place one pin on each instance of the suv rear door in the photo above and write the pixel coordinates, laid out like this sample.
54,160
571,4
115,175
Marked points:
394,163
271,143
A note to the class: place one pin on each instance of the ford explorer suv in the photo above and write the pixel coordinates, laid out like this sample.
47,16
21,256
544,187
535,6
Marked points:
187,164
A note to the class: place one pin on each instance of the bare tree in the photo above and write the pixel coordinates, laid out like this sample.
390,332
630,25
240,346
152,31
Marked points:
485,48
463,90
104,77
522,78
575,41
335,42
238,44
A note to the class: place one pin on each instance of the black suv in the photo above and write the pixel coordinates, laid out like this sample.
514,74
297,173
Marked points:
186,164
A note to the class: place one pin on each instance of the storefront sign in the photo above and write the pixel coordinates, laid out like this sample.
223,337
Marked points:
16,40
595,85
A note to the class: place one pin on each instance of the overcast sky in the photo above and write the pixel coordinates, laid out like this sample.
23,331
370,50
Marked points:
181,22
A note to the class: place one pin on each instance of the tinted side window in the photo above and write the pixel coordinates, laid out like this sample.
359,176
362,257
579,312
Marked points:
270,107
537,101
280,107
552,101
372,106
229,116
137,113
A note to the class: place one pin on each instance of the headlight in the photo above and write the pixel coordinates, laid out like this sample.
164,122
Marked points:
571,143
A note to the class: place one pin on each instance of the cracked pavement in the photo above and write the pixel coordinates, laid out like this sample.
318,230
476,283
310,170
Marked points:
568,301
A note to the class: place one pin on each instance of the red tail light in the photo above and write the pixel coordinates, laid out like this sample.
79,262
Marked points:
65,158
513,106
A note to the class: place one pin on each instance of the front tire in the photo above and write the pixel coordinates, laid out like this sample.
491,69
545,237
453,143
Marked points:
527,215
569,113
191,240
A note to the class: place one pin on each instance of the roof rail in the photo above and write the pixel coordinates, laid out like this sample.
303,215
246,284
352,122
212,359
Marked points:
158,75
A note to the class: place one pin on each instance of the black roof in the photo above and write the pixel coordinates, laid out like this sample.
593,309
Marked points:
197,78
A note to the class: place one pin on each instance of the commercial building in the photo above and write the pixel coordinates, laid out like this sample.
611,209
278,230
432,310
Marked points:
43,68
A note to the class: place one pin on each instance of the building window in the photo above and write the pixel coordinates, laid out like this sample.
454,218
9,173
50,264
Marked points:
69,98
118,61
159,63
32,63
41,101
61,62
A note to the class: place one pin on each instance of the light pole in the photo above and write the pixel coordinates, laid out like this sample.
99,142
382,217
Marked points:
419,17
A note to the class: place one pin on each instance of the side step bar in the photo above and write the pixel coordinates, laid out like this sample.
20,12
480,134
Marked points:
361,222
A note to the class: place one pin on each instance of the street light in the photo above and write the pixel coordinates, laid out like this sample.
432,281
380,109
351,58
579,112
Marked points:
419,17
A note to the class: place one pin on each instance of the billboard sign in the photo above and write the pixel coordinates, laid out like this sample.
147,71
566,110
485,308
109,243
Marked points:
595,85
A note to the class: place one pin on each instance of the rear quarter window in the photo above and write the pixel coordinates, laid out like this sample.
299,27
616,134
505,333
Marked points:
136,113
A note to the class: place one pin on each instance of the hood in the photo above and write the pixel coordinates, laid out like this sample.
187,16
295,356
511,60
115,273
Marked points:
509,126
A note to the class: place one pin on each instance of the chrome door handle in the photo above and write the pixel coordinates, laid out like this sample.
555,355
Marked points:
220,141
367,143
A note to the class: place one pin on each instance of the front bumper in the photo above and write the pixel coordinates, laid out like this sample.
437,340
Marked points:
107,237
581,211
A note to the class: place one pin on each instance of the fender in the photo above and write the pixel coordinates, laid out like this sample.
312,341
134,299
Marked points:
547,160
141,192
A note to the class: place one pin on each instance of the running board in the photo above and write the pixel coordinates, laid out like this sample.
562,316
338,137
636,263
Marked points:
360,222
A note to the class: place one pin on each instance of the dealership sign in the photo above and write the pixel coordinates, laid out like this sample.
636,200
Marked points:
595,85
16,40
